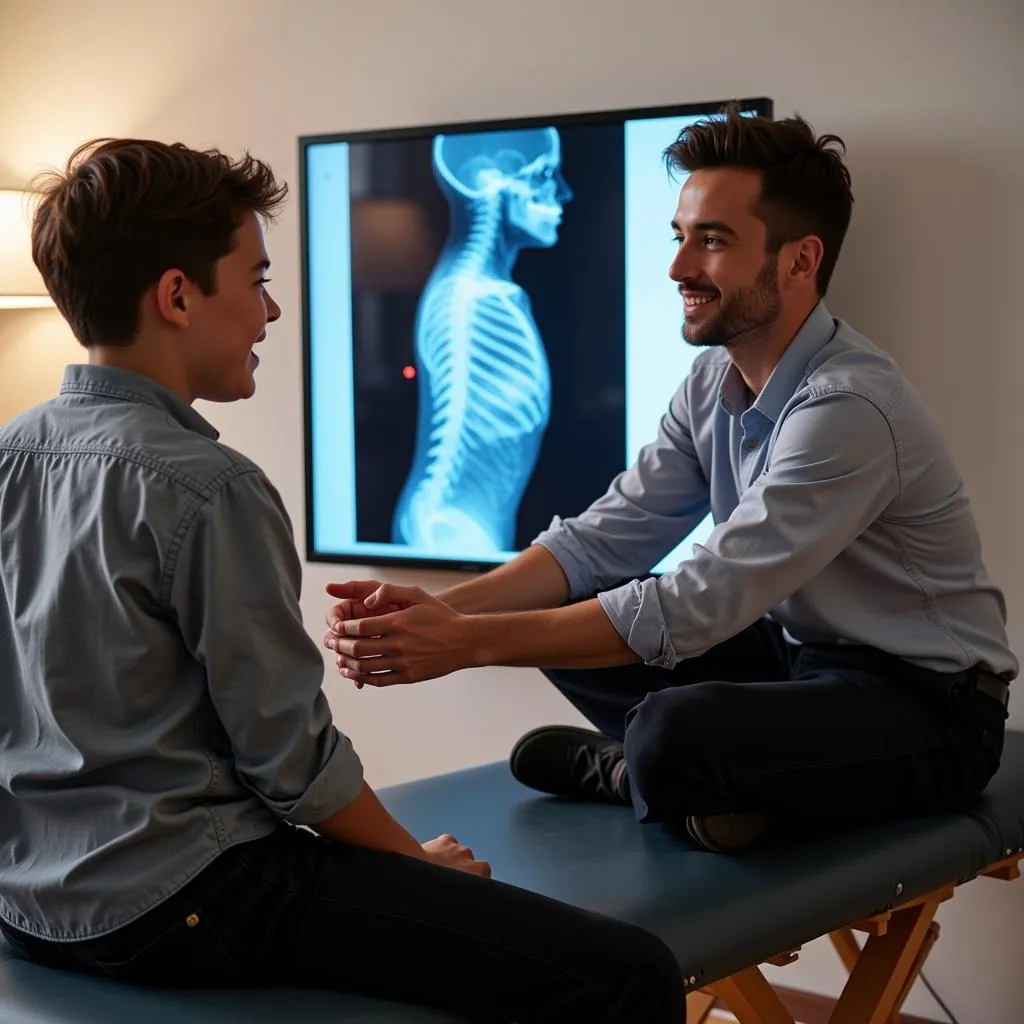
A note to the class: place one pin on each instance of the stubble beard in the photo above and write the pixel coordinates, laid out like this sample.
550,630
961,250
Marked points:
744,315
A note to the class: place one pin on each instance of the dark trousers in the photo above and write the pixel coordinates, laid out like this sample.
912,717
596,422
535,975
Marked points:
296,909
818,733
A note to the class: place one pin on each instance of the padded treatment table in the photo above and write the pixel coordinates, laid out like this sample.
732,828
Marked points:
722,915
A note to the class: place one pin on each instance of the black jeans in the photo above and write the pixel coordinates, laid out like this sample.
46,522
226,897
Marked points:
819,733
296,909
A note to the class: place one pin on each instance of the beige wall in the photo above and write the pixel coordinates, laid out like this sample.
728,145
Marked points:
927,94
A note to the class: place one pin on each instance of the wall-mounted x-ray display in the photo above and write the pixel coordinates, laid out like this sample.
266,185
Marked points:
490,331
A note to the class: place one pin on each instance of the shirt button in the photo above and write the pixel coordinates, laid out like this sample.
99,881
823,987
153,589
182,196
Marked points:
750,445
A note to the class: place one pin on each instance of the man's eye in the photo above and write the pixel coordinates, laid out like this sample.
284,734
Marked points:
677,239
712,240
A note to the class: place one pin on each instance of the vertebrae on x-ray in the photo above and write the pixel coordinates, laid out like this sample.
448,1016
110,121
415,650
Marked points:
485,389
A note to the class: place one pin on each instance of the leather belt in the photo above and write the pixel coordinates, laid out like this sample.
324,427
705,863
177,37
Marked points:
988,683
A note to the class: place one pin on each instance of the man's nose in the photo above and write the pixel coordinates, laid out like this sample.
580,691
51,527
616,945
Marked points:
683,265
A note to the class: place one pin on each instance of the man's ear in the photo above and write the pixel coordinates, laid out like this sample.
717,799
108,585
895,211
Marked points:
173,296
802,260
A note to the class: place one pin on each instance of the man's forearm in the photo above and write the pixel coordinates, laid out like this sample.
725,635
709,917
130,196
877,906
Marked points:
577,636
533,579
366,822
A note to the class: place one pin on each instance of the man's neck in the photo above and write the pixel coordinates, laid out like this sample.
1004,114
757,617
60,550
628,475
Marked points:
149,361
756,356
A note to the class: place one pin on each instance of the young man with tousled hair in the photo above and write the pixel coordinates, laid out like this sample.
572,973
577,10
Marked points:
835,652
164,732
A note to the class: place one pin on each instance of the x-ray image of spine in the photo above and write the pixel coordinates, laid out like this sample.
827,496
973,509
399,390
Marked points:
484,383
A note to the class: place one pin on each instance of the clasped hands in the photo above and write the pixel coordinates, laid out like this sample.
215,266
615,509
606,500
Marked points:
383,634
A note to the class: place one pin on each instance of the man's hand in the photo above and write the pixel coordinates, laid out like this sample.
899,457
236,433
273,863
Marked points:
353,602
384,634
352,605
449,853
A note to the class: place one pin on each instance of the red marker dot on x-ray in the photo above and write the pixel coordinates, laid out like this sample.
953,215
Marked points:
408,372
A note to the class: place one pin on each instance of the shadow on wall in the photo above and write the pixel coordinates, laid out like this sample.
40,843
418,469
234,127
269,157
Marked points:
928,273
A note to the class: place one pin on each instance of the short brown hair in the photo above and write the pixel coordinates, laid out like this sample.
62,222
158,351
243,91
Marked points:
125,211
805,186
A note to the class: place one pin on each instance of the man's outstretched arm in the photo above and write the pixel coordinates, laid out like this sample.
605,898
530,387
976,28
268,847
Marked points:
422,637
533,579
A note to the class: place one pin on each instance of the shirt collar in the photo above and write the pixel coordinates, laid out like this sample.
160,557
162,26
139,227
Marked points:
817,329
114,382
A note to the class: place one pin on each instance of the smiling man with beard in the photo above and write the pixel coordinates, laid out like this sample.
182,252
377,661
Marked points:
835,652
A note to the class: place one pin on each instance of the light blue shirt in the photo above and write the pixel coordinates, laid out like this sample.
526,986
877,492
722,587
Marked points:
160,699
838,510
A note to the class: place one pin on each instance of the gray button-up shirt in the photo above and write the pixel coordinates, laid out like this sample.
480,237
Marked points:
160,699
838,511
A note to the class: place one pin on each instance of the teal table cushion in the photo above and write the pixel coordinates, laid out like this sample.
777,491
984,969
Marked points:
719,914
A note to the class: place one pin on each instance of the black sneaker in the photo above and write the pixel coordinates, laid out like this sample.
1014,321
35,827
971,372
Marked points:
566,761
727,833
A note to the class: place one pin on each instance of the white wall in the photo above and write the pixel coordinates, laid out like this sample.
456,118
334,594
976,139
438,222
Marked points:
926,93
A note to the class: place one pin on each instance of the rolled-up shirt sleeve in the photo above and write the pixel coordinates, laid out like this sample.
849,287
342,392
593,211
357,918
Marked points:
235,590
646,511
832,471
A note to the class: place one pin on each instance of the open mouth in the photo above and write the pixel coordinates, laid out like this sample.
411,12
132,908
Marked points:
697,303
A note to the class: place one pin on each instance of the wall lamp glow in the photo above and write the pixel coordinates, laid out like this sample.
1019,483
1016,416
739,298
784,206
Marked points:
21,287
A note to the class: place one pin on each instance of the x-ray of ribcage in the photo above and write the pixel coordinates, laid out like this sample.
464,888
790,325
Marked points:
485,393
